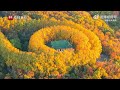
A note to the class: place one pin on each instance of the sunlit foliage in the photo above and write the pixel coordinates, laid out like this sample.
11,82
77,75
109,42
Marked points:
24,52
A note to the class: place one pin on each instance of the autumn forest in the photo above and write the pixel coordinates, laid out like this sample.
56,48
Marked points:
59,45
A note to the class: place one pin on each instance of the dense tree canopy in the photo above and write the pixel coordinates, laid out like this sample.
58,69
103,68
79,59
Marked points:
24,53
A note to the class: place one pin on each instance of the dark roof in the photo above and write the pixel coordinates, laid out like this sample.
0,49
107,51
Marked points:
61,44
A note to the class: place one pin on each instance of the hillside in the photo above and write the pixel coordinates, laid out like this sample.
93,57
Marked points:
29,46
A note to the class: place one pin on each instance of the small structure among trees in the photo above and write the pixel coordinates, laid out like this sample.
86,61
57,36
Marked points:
61,45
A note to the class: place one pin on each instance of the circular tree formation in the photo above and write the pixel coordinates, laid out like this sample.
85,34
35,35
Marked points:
87,47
